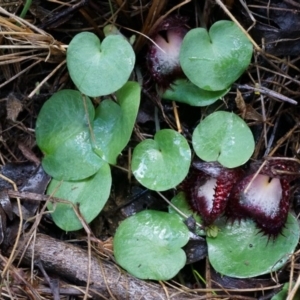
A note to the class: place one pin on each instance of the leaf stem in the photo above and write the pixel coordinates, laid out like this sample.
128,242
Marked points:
25,8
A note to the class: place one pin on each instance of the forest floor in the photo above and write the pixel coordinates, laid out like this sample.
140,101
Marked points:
40,261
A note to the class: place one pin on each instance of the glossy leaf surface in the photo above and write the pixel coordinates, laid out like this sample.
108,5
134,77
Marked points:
162,163
214,60
88,196
148,245
98,68
223,137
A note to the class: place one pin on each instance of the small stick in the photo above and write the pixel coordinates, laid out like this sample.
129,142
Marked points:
179,128
64,13
54,285
45,79
178,210
35,196
267,92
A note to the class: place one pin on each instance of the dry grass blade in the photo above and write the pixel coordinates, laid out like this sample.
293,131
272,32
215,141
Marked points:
21,41
23,35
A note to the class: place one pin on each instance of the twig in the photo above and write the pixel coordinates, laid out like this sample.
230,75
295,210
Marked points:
45,79
266,92
176,115
178,210
11,257
70,262
52,283
20,73
293,292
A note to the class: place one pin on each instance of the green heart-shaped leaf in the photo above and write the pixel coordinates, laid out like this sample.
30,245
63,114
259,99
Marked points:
241,251
223,137
114,122
148,245
214,60
162,163
88,195
184,91
63,134
99,69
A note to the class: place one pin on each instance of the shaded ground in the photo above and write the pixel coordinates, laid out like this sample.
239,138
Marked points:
33,68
